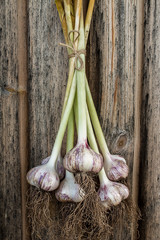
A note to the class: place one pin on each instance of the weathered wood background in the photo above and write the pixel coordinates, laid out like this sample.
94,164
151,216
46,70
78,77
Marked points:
123,68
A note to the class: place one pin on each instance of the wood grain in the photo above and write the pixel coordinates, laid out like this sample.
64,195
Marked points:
10,184
150,126
112,76
48,68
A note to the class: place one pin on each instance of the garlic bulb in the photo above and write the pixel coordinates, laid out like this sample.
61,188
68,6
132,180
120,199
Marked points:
43,177
59,166
83,159
115,167
111,193
69,190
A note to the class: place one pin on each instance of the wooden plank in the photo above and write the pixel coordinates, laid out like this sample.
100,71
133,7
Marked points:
112,72
138,98
48,68
10,186
150,125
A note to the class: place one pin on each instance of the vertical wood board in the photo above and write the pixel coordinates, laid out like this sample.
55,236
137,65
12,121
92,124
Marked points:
48,67
10,192
112,77
150,126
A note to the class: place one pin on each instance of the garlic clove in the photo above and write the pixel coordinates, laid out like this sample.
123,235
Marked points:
43,177
59,166
115,167
69,191
83,159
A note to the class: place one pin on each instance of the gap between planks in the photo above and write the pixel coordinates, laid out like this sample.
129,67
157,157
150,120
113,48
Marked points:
137,116
23,108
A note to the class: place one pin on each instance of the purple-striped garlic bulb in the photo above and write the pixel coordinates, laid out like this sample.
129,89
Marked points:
69,190
111,193
83,159
59,166
44,177
115,167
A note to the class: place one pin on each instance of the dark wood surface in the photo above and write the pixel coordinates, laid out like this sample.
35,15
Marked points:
123,72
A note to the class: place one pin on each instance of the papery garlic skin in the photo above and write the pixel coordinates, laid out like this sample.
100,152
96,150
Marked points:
115,167
59,166
83,159
69,190
43,177
111,193
45,160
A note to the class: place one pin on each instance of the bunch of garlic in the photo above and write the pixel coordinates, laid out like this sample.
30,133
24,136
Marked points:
82,157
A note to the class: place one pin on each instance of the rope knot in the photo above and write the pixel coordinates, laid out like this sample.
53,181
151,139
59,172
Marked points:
75,52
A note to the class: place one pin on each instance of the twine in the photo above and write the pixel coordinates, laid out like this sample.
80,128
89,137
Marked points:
75,53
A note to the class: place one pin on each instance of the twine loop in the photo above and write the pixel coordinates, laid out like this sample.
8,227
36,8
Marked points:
75,53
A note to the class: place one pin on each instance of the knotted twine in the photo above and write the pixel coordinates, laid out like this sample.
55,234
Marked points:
75,52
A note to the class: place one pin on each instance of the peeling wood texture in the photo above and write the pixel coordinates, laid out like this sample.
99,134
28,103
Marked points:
123,71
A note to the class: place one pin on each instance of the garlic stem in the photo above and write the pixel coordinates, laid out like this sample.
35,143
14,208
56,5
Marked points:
103,177
90,133
72,60
76,111
69,82
67,26
63,124
78,7
68,16
95,121
81,93
68,20
70,140
70,132
93,145
72,13
88,19
62,19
